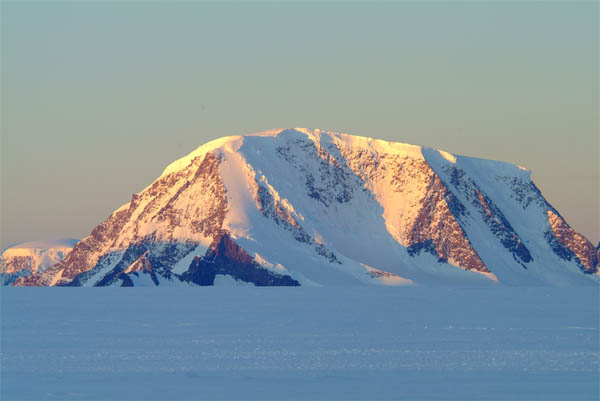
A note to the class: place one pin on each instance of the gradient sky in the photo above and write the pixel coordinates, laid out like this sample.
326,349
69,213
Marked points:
98,98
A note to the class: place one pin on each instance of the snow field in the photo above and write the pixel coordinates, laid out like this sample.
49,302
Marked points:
300,343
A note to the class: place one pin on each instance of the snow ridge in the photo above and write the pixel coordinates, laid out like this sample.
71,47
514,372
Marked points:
31,258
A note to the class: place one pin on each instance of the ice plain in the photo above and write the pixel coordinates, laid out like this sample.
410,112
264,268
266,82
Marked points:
434,343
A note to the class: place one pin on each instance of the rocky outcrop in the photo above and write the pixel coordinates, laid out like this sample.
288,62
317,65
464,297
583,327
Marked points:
429,223
170,217
490,213
570,245
226,257
84,255
283,215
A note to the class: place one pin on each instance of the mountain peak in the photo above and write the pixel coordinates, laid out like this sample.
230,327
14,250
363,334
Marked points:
316,207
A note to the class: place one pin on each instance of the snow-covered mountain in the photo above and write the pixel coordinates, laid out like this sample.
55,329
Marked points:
312,207
31,258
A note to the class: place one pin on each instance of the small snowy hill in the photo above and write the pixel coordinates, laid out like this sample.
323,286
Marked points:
312,207
31,258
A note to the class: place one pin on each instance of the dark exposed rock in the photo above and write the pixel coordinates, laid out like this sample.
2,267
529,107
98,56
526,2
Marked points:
226,257
326,253
330,183
126,281
274,210
502,229
557,247
437,230
423,246
525,192
491,215
426,246
131,255
16,263
106,247
84,255
9,278
563,240
281,215
205,177
376,273
570,245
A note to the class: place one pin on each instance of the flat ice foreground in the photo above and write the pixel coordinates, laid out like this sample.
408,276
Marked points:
300,343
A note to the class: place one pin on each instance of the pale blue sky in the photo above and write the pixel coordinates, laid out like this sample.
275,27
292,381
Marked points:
98,98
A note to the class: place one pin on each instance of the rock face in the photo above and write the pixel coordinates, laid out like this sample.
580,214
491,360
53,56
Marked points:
227,258
310,207
31,258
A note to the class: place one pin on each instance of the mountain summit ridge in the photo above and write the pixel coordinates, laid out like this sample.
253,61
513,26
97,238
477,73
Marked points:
314,207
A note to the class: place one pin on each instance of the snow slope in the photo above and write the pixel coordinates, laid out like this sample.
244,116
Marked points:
313,207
